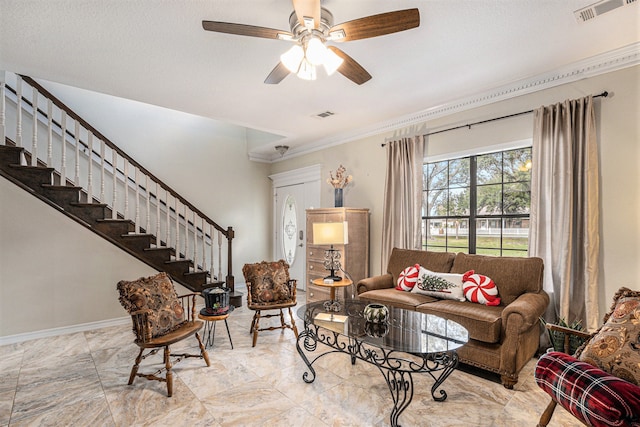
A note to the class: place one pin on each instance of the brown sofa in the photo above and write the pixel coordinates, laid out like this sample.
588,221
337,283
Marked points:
503,338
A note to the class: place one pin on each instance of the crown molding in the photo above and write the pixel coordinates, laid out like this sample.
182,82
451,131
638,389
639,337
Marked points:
627,56
306,174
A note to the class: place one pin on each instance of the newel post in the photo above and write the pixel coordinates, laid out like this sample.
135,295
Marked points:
230,279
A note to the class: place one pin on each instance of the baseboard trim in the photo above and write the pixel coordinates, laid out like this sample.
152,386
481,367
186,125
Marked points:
45,333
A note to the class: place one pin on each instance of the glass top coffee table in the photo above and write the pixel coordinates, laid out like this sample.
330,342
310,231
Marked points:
390,345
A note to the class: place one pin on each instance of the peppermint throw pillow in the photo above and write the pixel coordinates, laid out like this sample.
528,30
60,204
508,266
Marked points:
439,285
479,288
408,278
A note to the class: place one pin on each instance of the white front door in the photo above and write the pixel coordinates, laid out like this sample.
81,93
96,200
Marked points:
290,230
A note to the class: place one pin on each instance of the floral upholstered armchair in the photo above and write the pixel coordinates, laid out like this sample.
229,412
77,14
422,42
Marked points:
600,383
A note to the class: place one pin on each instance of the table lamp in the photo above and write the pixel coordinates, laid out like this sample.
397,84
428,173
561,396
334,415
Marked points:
331,233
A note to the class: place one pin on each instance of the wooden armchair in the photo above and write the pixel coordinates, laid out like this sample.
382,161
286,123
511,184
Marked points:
600,383
269,288
160,318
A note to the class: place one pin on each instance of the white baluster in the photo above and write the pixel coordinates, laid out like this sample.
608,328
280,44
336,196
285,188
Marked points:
126,188
137,217
3,127
63,166
102,161
19,111
34,140
114,167
49,133
204,245
157,216
195,242
168,222
148,204
76,179
90,170
220,255
177,230
186,233
213,238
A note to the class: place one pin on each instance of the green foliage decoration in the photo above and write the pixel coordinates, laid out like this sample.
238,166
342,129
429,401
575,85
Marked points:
434,283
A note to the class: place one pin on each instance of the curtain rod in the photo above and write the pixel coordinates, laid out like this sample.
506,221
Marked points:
468,125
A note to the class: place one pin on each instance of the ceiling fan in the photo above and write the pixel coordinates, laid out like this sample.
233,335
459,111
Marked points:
311,28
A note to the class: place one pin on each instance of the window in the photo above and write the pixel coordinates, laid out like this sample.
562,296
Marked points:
478,204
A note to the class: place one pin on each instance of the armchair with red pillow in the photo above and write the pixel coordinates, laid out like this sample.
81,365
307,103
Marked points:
600,384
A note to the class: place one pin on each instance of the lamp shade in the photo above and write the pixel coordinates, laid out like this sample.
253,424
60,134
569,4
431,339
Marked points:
307,70
332,62
316,51
330,233
292,58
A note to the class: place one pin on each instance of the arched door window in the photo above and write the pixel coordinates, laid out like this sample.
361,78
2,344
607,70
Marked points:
289,229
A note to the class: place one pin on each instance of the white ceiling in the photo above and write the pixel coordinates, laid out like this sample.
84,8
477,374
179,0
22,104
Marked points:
156,52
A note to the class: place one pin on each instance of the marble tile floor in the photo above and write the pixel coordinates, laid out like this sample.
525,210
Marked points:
80,379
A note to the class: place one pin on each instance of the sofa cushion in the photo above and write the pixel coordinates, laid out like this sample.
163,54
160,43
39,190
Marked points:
513,276
268,283
484,323
408,278
157,295
401,299
439,285
615,348
593,396
434,261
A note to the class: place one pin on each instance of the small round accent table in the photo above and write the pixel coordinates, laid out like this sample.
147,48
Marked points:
210,325
333,304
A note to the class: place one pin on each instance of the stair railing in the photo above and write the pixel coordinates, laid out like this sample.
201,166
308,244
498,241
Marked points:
83,157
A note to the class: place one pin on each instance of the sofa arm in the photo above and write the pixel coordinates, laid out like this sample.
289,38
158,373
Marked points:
377,282
529,307
593,396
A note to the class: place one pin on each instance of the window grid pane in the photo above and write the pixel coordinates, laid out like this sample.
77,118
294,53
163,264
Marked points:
487,213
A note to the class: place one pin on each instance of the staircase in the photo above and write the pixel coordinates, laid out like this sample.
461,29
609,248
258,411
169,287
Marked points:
150,221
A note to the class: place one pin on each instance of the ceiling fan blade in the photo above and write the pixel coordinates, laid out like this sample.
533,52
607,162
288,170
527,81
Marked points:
245,30
350,68
377,25
277,74
308,9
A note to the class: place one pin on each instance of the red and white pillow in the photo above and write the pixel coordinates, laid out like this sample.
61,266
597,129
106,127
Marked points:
408,278
479,288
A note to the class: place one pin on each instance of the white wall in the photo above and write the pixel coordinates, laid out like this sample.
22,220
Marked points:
619,140
53,272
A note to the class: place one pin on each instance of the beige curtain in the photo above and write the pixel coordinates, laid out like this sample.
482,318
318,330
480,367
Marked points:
402,214
565,208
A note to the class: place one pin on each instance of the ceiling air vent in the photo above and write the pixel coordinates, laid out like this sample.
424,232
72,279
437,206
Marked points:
597,9
324,115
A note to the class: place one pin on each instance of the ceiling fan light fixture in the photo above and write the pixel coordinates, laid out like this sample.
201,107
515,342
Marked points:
332,62
292,58
307,70
316,51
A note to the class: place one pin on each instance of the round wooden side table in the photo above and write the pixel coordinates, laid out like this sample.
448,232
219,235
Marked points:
333,304
210,325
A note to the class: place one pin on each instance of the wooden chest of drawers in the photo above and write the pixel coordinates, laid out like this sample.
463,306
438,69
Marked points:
354,255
